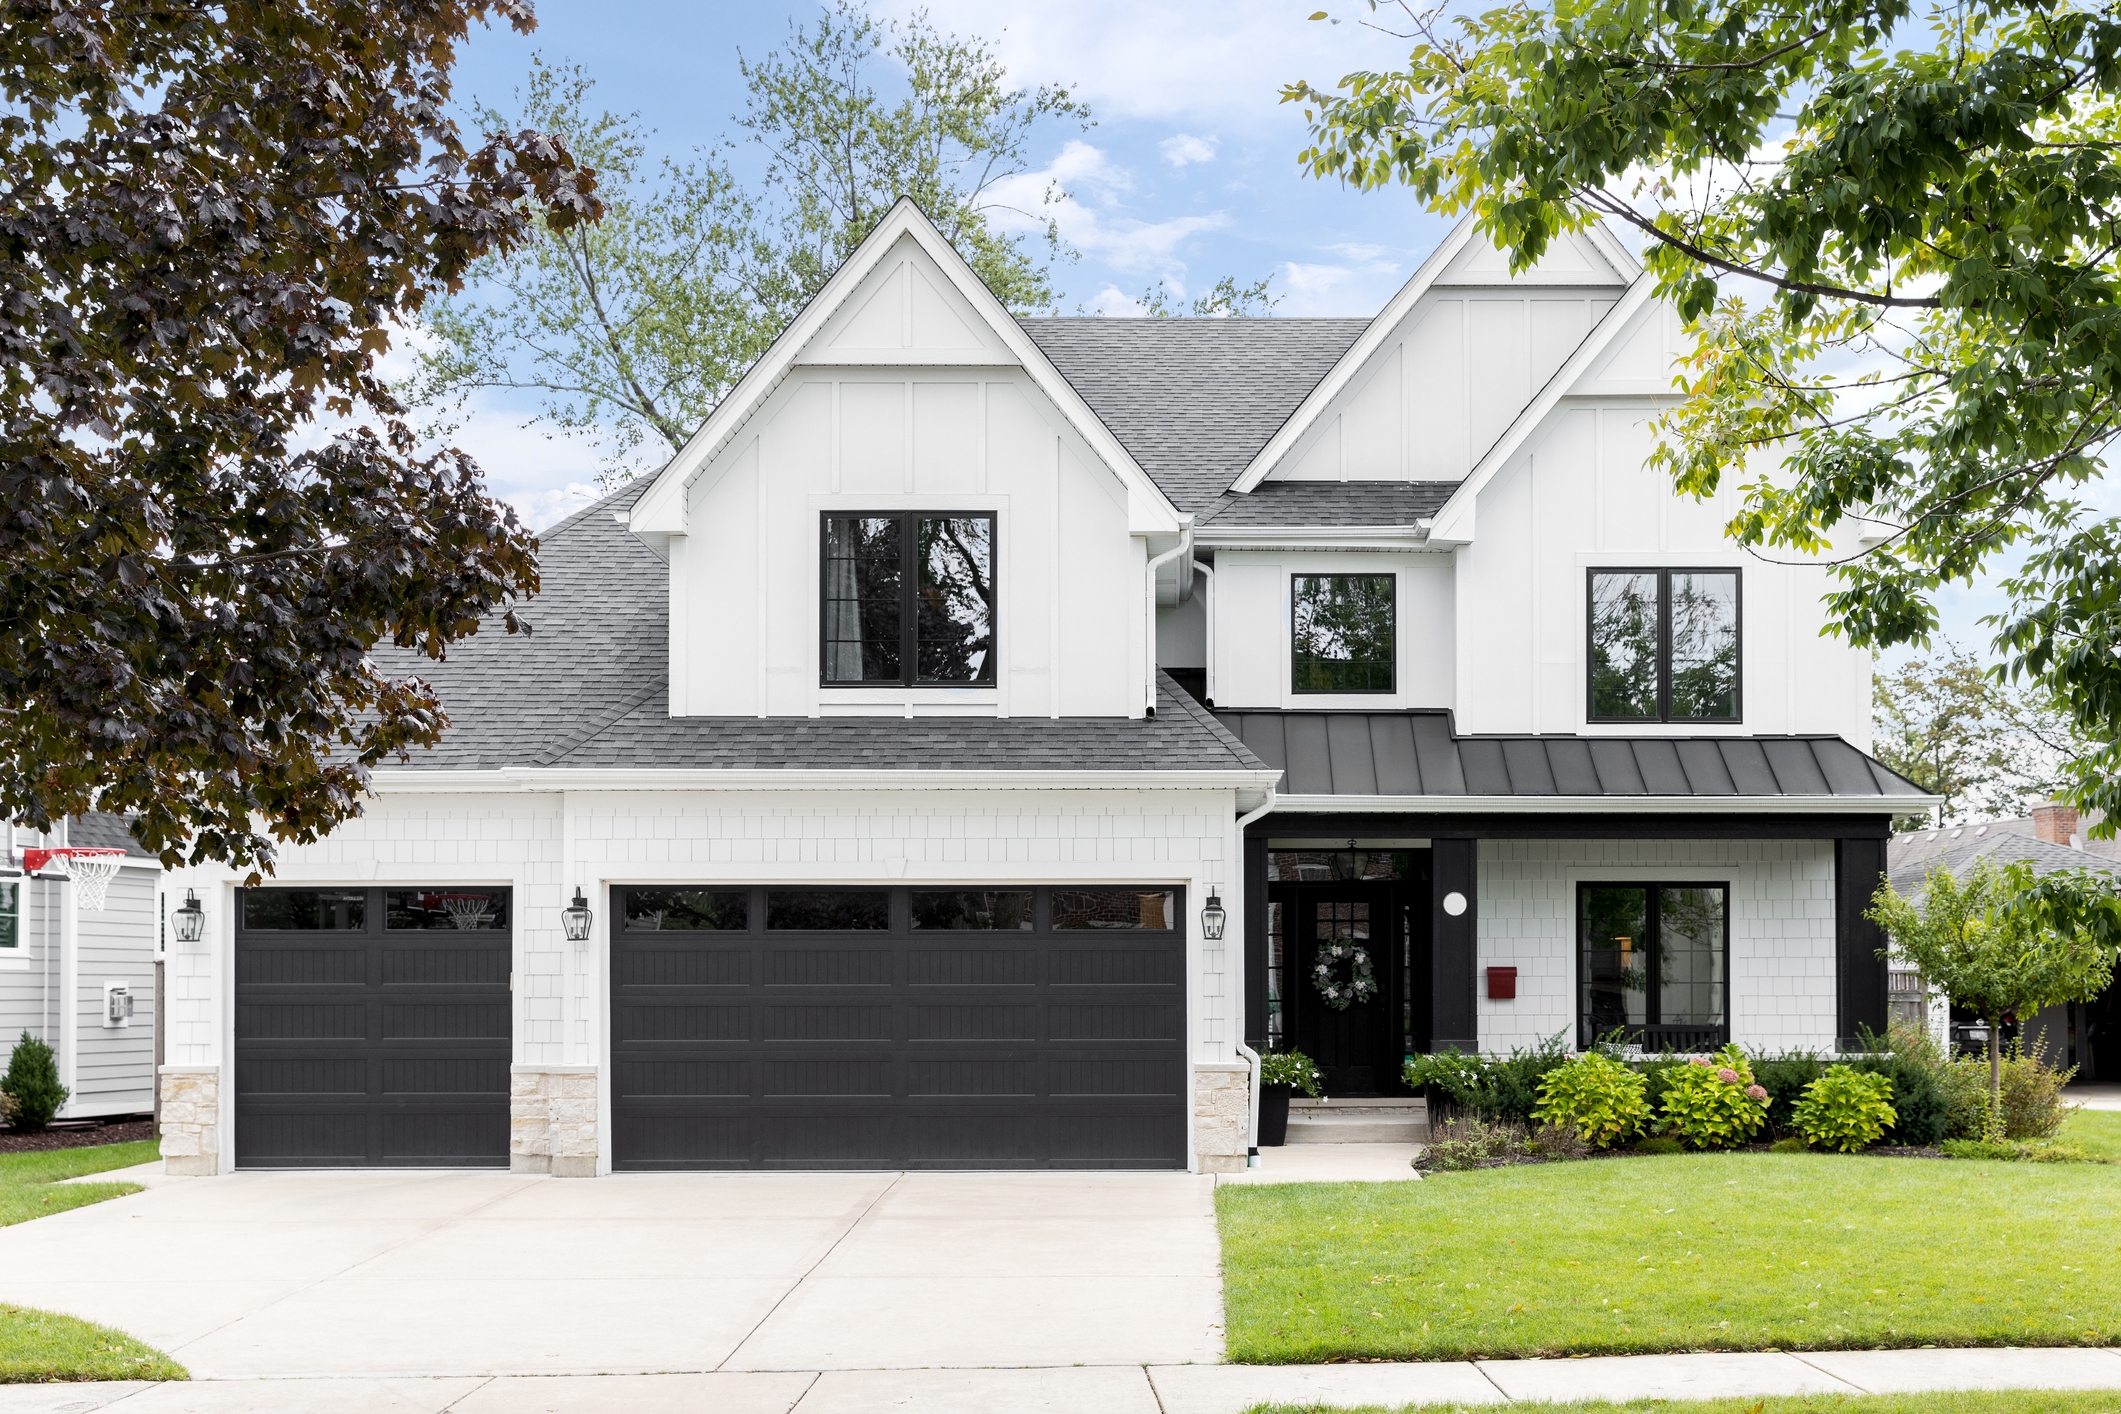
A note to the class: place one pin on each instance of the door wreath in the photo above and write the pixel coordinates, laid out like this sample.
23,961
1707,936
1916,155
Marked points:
1361,984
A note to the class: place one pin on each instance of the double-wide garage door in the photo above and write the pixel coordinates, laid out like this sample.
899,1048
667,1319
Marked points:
889,1028
372,1027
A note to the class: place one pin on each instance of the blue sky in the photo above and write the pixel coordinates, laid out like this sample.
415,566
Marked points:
1189,173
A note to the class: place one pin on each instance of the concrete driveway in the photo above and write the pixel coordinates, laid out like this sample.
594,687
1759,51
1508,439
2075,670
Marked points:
468,1274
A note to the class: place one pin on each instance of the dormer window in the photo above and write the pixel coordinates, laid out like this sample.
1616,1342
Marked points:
1343,633
908,599
1664,645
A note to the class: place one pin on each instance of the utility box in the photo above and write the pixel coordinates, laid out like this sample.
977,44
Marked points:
1502,984
117,1004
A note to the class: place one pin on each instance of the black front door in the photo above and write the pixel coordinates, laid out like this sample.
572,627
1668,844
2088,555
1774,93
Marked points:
1346,941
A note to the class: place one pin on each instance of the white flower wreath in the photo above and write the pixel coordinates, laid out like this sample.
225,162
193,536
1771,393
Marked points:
1362,978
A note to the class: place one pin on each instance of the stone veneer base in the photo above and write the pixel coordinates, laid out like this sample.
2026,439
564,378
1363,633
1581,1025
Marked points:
1222,1116
191,1120
552,1120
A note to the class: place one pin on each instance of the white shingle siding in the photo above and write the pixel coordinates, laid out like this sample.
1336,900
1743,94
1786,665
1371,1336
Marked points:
1782,931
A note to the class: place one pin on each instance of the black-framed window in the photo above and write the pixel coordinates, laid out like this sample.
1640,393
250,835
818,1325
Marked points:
1343,633
1654,962
1664,645
908,598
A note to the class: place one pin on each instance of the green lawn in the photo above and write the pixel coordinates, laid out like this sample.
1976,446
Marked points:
38,1346
2096,1132
1968,1402
1679,1252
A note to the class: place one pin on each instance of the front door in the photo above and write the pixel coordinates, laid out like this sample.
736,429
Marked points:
1345,984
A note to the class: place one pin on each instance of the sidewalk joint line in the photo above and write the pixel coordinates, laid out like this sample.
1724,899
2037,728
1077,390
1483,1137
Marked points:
796,1285
1482,1367
1839,1379
815,1376
469,1393
1154,1393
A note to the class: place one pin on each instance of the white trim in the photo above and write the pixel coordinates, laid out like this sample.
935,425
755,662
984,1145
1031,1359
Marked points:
661,510
544,778
1453,522
1314,537
1609,804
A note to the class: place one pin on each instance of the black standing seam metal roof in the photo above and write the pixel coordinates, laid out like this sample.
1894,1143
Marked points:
1416,753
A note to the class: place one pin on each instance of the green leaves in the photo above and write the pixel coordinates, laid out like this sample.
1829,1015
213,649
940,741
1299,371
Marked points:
218,218
1892,232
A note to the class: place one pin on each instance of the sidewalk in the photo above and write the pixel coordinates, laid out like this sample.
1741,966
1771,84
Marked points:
1109,1389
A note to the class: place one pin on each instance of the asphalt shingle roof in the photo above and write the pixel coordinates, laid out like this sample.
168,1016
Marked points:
589,687
1329,503
1193,400
1415,753
1908,862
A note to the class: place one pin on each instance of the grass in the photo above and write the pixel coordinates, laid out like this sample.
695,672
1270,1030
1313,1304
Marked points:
2096,1132
30,1187
38,1346
41,1346
1686,1252
2015,1401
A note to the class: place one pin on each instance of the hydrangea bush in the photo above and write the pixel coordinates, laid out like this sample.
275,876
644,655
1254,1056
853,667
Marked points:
1845,1109
1713,1102
1599,1096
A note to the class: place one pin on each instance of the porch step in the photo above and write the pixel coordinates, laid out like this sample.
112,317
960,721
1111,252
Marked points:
1367,1119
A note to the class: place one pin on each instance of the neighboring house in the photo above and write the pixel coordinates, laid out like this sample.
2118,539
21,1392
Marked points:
83,980
2086,1035
979,732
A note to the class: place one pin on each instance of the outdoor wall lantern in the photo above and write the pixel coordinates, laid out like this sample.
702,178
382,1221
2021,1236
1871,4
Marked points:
575,919
190,919
1212,918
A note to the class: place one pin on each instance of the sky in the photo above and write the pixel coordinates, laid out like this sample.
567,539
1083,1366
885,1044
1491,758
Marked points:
1188,174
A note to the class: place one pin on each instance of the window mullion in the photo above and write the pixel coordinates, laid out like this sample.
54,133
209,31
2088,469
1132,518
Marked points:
909,599
1664,645
1652,957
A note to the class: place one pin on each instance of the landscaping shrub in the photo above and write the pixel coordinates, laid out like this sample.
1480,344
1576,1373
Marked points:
1599,1097
2032,1095
32,1082
1713,1103
1493,1089
1471,1141
1784,1078
1845,1109
1292,1068
1961,1082
1660,1144
1559,1141
2015,1150
1919,1105
1791,1145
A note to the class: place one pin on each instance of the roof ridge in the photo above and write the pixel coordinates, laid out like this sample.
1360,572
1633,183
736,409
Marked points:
635,487
625,708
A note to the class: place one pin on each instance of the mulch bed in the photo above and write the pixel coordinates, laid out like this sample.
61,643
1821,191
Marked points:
76,1135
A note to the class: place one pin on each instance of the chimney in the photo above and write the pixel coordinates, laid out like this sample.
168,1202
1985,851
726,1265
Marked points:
2055,822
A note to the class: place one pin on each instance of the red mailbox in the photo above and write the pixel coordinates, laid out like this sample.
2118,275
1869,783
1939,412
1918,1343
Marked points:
1502,984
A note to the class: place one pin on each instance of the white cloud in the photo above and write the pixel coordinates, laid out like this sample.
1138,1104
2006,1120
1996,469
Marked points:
1066,190
1184,148
1128,59
1114,303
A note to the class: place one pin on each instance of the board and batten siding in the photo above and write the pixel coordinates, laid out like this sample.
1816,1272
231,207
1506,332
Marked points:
1253,628
906,401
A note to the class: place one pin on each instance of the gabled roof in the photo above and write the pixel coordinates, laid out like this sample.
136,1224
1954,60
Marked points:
1910,858
588,689
1286,504
1194,399
660,509
1381,329
1416,754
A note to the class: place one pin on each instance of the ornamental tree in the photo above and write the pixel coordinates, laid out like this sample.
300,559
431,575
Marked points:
2002,946
1892,231
213,218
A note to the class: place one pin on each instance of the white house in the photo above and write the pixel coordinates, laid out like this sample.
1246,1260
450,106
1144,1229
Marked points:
907,739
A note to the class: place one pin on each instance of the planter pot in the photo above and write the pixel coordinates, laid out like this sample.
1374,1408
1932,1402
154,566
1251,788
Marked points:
1274,1115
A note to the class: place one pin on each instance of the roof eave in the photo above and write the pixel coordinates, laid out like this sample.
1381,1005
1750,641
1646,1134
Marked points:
1605,804
557,778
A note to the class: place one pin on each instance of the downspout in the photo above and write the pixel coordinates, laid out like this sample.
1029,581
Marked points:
1184,547
1207,599
1251,1056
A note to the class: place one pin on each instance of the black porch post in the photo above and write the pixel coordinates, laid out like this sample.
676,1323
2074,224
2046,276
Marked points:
1255,886
1454,948
1860,972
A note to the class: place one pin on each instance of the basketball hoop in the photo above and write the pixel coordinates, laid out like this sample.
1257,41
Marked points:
467,911
90,869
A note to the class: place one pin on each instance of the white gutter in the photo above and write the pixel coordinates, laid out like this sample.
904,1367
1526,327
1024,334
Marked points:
1207,601
552,778
1184,547
1314,537
1608,804
1251,1056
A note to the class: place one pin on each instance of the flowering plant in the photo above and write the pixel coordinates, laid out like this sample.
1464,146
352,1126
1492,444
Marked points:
1291,1068
1325,975
1714,1103
1845,1109
1596,1094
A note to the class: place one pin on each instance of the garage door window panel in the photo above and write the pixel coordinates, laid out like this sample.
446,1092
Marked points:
688,910
827,910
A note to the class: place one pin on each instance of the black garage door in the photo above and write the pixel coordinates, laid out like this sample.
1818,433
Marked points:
898,1028
372,1027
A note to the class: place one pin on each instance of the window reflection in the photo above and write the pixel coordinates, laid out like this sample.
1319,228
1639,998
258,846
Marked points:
1342,630
1704,646
687,910
863,610
955,614
978,909
1624,617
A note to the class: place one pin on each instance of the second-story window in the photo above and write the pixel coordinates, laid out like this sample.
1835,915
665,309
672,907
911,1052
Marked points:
1664,646
908,598
1343,633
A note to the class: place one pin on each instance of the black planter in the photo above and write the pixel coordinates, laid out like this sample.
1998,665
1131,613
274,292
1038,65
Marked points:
1274,1115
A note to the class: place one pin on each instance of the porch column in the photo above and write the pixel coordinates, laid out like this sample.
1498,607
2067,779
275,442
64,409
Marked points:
1455,947
1859,967
1255,912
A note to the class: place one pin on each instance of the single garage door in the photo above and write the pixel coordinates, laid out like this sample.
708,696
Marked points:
372,1027
898,1028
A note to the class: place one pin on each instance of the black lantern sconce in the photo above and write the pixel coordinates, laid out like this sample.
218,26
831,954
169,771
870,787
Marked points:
1212,918
576,917
190,919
